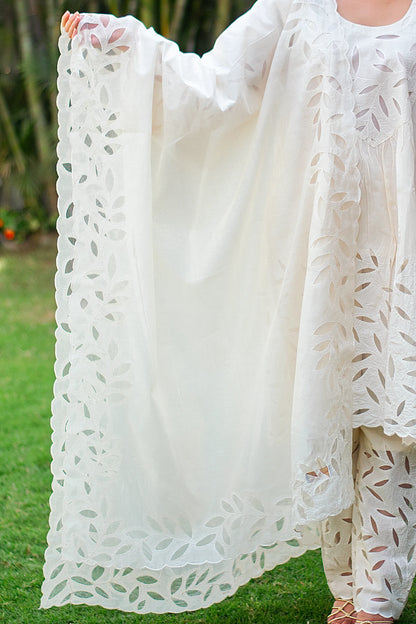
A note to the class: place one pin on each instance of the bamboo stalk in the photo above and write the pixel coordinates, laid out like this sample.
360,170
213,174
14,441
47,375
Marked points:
113,7
13,141
223,16
132,7
177,18
35,104
146,12
52,34
164,18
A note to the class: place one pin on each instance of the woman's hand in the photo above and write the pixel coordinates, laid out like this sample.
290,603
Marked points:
70,23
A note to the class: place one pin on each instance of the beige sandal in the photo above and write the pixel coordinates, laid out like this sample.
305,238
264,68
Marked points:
341,614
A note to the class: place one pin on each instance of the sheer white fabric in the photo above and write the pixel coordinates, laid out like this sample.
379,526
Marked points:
209,227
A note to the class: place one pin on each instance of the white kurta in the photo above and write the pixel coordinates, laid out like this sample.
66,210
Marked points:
211,212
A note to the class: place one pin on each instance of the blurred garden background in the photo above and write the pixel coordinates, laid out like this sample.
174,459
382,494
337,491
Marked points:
292,594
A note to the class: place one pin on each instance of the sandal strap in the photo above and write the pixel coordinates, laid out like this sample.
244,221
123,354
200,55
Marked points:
339,613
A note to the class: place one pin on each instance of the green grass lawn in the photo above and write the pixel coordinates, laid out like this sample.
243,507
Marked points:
295,593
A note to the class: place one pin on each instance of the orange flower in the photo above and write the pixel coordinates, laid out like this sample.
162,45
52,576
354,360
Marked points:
1,223
9,234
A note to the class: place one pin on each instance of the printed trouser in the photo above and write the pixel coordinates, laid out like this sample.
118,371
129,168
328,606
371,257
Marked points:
368,550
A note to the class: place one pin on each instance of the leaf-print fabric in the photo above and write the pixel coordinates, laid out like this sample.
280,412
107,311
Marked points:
231,303
368,549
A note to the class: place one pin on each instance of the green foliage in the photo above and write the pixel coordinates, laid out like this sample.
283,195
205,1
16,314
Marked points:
29,30
294,593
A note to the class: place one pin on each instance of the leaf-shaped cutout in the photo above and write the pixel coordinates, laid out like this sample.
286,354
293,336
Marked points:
182,603
181,551
382,67
147,580
83,594
401,408
362,113
365,319
392,368
191,578
378,565
88,26
408,339
81,580
407,465
374,525
375,122
56,571
375,494
164,543
368,472
134,595
368,89
97,572
373,395
116,34
339,163
57,589
227,507
378,549
119,588
406,262
214,522
399,572
202,577
383,105
219,548
175,585
404,517
206,540
314,83
404,289
88,513
355,61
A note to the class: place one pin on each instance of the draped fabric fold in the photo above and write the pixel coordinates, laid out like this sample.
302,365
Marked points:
207,237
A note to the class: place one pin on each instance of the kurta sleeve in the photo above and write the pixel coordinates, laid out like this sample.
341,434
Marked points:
190,91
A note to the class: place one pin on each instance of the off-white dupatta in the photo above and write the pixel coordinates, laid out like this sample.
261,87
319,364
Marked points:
208,212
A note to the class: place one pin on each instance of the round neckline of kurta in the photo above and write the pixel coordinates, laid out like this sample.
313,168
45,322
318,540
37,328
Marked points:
368,27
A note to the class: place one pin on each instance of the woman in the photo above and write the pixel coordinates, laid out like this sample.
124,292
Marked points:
247,348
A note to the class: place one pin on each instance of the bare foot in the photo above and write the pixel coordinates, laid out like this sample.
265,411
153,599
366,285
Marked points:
342,613
362,616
